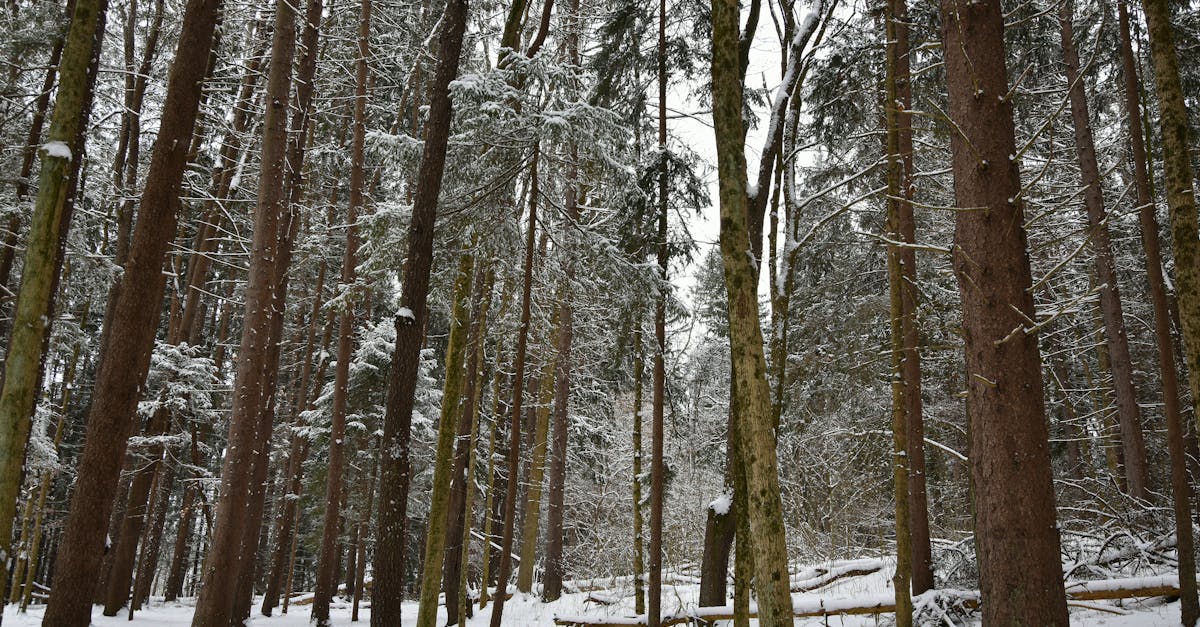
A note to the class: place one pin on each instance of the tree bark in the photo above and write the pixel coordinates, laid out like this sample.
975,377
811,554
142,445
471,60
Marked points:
444,462
1017,543
504,568
326,584
215,606
657,420
902,579
752,396
1180,489
38,279
136,310
1128,414
410,326
458,533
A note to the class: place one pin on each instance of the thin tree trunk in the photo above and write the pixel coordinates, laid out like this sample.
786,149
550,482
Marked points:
518,383
363,532
657,466
448,429
639,567
1017,543
326,584
120,578
410,327
553,569
1128,414
468,428
918,500
490,502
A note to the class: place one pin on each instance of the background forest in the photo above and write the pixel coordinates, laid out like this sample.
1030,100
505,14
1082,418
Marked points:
257,335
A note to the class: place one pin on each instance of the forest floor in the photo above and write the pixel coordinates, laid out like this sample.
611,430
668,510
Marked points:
525,610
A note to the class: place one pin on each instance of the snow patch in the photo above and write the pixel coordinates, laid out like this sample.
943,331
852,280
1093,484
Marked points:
57,149
720,505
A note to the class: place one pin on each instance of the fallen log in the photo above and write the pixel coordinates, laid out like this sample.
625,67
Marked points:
1077,591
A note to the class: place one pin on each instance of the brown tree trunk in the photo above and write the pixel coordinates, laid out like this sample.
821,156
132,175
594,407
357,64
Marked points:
116,391
504,568
136,510
918,505
215,605
1182,203
388,588
553,570
1017,543
657,420
1128,414
152,542
468,428
326,584
363,533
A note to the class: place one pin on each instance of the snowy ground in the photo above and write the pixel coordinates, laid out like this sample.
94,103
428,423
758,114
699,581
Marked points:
523,610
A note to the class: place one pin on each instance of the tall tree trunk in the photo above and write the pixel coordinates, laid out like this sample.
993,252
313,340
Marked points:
38,278
1128,414
388,588
657,420
639,567
1017,543
504,568
215,606
458,532
751,399
536,468
28,156
1180,490
136,511
490,503
135,311
553,570
152,542
326,584
363,532
918,500
448,428
902,579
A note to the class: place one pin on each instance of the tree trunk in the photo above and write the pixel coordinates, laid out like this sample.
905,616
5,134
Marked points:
458,532
918,500
126,356
1181,201
1129,416
28,155
448,429
388,588
136,510
752,396
902,579
504,568
363,532
215,605
553,569
38,278
326,584
639,567
657,466
1017,543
